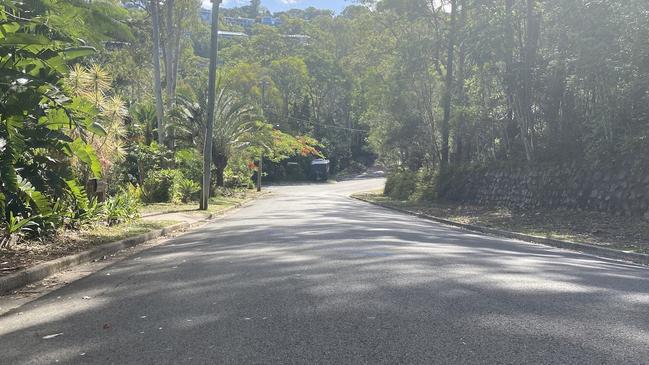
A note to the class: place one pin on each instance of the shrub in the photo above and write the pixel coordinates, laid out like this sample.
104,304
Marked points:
187,190
122,207
160,186
14,228
426,185
354,168
237,173
190,162
400,184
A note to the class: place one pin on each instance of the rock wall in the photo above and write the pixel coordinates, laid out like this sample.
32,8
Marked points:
620,187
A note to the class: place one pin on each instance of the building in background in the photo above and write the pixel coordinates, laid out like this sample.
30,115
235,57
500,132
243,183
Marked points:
269,20
242,22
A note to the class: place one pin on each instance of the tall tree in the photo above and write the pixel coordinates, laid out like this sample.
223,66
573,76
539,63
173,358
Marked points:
524,94
254,8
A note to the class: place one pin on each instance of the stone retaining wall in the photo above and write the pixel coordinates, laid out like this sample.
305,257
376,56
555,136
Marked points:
620,187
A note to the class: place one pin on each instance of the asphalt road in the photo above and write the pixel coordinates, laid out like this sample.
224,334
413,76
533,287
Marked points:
311,276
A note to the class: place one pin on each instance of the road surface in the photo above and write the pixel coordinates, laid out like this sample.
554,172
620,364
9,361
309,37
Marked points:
309,276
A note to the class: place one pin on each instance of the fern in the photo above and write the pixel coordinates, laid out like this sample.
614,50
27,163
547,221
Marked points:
79,195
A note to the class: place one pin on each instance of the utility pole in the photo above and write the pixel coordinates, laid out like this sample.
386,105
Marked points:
211,95
159,108
264,86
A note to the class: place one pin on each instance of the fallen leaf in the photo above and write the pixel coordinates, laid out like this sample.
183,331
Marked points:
106,326
52,336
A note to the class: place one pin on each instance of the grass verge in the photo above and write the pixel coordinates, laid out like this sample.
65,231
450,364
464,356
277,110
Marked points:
155,216
606,230
217,204
29,253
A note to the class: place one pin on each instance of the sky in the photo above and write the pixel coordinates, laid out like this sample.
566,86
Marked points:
280,5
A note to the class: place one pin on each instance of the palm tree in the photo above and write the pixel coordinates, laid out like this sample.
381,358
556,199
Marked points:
145,116
233,119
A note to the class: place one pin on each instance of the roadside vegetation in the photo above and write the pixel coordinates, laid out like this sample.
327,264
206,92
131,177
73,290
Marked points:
525,115
83,151
105,105
597,228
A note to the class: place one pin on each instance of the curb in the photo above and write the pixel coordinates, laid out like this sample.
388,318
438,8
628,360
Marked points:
41,271
604,252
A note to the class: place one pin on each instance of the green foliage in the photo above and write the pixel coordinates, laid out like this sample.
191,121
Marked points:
238,173
43,128
15,227
161,186
354,168
93,22
122,207
400,184
190,162
187,190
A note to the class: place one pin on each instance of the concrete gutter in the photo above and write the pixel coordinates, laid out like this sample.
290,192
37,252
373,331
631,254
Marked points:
604,252
41,271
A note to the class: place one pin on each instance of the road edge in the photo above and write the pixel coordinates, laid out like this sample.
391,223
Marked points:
604,252
41,271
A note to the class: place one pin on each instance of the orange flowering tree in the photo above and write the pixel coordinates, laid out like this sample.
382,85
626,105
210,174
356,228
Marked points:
276,145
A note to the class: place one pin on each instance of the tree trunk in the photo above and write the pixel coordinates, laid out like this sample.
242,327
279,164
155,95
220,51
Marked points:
509,72
528,57
449,87
220,163
156,71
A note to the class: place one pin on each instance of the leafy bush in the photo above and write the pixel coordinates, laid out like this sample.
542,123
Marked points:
187,190
354,168
238,172
400,184
190,162
426,185
78,209
43,127
122,207
14,228
160,186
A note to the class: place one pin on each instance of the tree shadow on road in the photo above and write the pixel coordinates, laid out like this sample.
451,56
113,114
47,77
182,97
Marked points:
342,282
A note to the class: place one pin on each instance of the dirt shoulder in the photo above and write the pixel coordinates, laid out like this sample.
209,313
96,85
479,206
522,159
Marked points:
601,229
